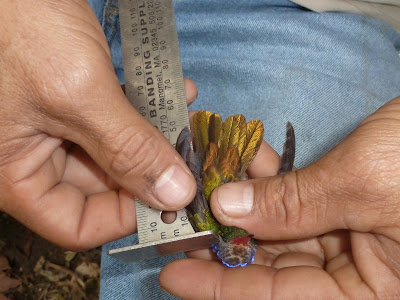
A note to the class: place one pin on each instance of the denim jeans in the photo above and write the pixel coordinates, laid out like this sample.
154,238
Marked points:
270,60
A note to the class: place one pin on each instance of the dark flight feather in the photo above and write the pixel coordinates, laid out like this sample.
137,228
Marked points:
288,154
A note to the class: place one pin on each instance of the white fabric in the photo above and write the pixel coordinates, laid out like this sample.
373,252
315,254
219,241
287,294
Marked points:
386,10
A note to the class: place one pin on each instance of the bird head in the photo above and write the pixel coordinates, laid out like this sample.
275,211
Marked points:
236,252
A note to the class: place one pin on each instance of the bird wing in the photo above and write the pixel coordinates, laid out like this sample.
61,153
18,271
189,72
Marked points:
198,207
288,154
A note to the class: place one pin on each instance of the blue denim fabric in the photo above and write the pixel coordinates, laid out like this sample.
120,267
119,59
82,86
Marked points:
275,61
107,13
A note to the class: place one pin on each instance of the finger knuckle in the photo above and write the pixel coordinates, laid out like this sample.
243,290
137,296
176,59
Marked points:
280,200
134,154
290,204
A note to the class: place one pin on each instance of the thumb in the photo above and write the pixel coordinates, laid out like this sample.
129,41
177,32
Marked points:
133,152
342,190
273,208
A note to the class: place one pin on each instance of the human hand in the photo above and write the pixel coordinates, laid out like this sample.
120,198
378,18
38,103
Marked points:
73,151
328,231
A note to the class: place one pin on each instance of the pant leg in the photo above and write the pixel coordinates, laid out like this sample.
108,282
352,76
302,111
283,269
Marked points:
323,72
275,61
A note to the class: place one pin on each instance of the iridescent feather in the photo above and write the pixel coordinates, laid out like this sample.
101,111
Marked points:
224,150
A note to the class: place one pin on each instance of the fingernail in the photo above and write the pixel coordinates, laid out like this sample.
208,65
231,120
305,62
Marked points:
172,187
236,199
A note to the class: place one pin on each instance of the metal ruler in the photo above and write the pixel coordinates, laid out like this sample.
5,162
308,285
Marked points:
154,86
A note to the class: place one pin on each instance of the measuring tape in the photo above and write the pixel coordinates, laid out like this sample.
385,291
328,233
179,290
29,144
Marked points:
154,86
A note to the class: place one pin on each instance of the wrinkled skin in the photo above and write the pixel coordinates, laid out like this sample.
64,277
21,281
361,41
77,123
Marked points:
73,151
328,231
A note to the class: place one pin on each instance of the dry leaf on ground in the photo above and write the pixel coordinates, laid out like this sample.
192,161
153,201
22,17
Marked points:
88,269
7,283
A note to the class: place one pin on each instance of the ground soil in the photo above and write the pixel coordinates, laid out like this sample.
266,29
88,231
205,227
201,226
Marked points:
33,268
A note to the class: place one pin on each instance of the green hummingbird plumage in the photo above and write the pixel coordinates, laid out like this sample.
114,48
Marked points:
224,150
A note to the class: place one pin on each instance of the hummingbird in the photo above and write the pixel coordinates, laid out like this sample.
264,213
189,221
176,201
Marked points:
224,150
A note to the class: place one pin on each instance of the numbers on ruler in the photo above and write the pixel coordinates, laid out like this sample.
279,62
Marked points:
165,65
133,16
136,51
155,84
184,221
153,226
162,47
170,106
153,18
138,70
153,65
142,111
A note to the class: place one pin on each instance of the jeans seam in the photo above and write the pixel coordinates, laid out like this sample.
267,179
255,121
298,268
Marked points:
103,21
110,17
